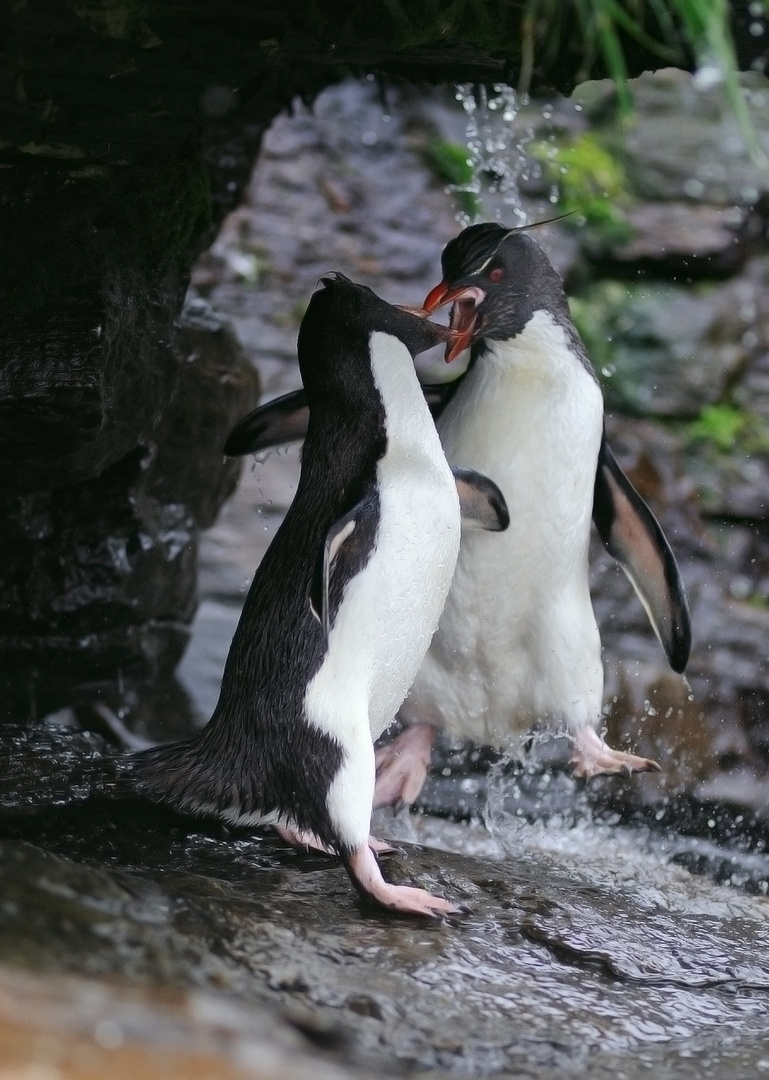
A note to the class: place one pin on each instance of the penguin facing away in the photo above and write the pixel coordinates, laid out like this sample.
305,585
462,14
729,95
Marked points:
518,640
344,604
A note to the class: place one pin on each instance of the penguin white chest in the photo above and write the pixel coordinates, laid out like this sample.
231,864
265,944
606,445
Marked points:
391,608
518,639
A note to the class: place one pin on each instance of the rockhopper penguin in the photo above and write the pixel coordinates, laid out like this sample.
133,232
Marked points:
518,640
344,604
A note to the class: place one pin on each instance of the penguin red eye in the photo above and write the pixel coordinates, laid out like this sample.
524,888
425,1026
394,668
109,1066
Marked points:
496,274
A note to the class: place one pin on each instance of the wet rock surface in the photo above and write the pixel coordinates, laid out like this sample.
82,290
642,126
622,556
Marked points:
65,1026
580,952
589,958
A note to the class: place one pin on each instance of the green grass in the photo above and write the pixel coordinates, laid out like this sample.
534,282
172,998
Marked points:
451,163
699,27
674,31
729,428
591,184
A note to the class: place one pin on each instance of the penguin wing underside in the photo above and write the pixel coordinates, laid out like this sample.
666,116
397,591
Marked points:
346,549
481,503
632,535
285,419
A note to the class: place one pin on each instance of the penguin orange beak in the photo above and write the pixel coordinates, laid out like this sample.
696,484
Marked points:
464,317
441,295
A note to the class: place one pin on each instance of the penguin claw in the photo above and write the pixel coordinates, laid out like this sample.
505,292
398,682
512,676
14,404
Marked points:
367,878
401,767
593,757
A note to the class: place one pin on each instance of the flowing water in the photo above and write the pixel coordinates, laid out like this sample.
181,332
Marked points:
496,146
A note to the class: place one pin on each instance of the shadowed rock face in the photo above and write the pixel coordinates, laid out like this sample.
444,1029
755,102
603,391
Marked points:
117,159
100,576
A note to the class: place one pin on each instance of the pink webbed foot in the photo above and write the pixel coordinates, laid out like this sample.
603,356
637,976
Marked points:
367,878
401,766
592,757
303,838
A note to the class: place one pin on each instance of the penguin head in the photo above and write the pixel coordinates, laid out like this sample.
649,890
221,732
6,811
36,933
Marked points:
337,327
496,278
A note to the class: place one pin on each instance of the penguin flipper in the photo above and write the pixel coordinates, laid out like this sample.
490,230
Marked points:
632,535
481,502
349,539
283,420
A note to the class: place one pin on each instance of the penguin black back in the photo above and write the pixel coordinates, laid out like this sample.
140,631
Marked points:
256,759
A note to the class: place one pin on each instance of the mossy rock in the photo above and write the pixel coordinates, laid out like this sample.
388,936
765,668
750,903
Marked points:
591,184
660,349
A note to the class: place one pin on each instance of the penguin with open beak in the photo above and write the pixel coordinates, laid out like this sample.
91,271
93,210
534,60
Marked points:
518,640
343,606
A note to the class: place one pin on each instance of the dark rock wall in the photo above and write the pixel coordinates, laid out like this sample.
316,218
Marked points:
112,415
100,576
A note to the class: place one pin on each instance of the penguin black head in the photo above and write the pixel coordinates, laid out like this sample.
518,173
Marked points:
338,324
496,278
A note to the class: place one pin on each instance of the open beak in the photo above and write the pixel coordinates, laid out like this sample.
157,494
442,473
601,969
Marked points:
442,333
464,322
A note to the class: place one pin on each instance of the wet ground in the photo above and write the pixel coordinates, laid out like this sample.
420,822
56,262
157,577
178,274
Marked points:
583,953
589,948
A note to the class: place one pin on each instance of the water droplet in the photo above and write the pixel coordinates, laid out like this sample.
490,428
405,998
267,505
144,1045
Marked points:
694,188
496,151
707,76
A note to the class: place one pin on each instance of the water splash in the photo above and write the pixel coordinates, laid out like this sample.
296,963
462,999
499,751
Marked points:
496,142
